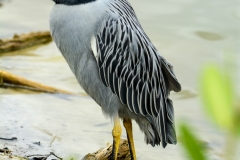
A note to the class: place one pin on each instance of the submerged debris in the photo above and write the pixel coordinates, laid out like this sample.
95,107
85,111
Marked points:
24,40
5,151
106,153
37,143
8,139
9,80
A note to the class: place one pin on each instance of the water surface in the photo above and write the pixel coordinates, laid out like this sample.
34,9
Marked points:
187,33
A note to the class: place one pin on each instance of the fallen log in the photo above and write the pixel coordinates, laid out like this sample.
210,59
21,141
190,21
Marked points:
13,81
106,153
24,41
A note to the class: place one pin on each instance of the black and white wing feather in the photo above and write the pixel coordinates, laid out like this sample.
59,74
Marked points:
134,70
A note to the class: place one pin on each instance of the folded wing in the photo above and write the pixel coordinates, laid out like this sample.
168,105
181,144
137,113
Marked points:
134,70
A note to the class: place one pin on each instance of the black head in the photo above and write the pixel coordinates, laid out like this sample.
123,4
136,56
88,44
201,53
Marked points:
72,2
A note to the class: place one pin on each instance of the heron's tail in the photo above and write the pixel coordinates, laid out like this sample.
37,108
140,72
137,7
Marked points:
163,124
162,129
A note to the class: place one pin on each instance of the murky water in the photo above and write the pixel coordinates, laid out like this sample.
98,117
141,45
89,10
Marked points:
188,34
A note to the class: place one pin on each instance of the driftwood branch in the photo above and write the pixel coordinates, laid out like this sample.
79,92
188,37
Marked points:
24,40
106,153
13,81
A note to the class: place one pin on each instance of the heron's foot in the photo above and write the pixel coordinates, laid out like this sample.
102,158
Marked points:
128,126
116,132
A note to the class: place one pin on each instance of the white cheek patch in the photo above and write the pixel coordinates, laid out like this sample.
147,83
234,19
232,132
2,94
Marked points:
94,46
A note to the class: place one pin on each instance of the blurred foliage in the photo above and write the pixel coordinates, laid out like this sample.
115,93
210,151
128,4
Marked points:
191,144
220,103
217,96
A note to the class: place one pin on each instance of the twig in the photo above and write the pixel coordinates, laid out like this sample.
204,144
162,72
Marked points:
53,140
37,155
45,156
56,155
9,139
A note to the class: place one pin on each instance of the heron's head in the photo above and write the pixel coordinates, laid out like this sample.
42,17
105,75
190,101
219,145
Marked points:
72,2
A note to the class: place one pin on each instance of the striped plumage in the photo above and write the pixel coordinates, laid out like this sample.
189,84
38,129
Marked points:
128,66
134,70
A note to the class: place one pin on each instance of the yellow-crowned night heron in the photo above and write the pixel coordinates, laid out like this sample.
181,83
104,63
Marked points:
117,65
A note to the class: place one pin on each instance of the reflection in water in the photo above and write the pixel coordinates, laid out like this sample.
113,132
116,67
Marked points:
23,52
209,36
101,124
185,94
63,96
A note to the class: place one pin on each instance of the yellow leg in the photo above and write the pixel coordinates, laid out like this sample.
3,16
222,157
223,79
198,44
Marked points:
128,126
116,133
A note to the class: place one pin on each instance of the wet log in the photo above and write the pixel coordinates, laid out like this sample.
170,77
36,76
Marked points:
24,41
106,153
13,81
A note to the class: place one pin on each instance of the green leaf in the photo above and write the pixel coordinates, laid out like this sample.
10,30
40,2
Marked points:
237,119
191,144
71,157
217,95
